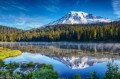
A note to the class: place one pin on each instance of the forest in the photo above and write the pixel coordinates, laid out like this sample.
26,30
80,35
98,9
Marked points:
100,32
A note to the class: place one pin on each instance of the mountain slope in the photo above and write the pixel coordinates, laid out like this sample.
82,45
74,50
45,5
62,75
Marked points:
74,17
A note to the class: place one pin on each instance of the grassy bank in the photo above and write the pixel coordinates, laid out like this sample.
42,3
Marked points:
5,53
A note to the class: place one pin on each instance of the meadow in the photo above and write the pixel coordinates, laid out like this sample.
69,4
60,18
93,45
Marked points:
5,53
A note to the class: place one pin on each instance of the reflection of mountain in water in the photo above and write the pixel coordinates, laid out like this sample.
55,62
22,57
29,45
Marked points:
81,62
69,53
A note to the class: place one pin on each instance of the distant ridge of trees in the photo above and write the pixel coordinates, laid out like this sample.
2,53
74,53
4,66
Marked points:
101,32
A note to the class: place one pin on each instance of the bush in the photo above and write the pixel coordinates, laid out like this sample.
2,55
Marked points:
112,72
24,65
77,77
46,72
12,65
93,75
1,63
30,64
47,66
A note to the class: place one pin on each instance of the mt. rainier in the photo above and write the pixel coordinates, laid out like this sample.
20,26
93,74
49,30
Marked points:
74,17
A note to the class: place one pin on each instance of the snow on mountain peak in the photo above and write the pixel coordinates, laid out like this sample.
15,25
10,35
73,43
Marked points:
79,17
79,12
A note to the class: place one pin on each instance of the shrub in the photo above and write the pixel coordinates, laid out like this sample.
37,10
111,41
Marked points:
93,75
77,77
12,65
112,72
1,63
30,64
46,72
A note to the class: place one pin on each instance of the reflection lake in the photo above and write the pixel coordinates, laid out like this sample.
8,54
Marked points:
68,58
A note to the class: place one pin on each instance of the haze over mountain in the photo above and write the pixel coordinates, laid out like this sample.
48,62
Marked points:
80,17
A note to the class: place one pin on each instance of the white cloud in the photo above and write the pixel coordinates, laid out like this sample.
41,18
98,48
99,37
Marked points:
23,22
12,4
116,7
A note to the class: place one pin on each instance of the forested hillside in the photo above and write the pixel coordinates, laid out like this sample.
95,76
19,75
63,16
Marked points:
10,34
107,32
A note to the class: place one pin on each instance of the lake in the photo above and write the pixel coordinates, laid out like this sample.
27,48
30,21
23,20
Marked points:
68,58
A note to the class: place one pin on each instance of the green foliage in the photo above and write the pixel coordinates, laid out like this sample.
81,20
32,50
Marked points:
77,32
94,75
24,65
5,74
30,64
77,77
112,72
47,66
28,75
12,65
46,72
43,73
18,75
1,63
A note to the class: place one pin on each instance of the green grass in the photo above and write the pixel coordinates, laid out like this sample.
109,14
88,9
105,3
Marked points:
5,53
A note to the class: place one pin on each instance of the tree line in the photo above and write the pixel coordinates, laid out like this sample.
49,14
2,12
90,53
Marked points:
101,32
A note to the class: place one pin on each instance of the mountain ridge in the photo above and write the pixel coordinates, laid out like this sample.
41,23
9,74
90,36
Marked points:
80,17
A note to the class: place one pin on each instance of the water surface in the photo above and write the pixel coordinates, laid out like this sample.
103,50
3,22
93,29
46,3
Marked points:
68,59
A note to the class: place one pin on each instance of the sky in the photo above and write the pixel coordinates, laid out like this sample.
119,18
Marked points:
27,14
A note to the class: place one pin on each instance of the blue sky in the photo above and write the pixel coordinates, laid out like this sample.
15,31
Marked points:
27,14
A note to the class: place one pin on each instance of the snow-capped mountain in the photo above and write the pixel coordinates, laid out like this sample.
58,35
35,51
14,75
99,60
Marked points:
74,17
